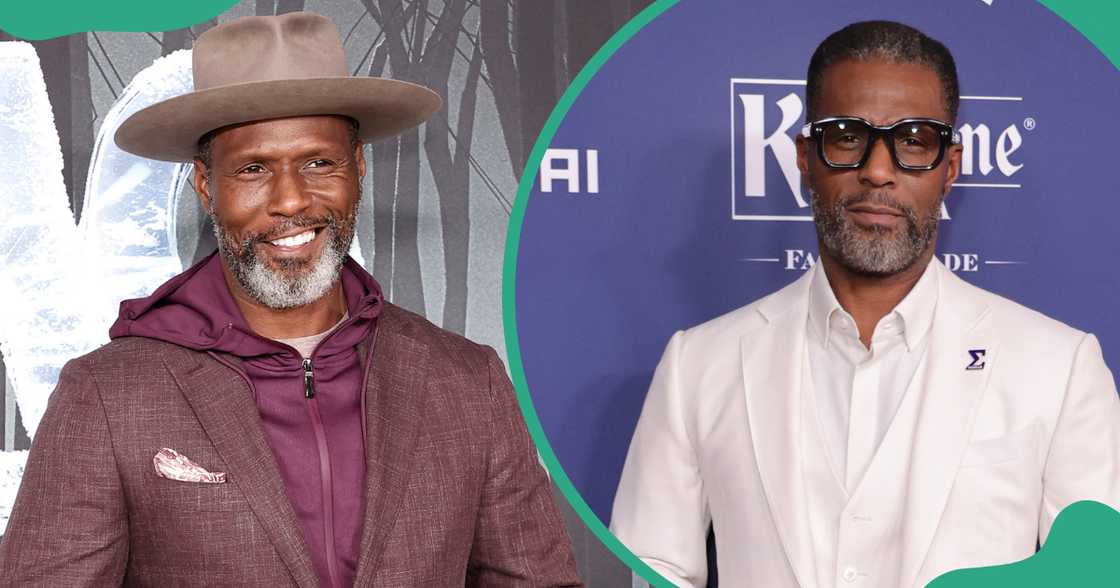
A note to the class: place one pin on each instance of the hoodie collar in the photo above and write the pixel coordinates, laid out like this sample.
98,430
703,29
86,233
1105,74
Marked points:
195,309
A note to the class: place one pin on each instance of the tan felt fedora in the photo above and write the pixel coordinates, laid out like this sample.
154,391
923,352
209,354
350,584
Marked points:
263,67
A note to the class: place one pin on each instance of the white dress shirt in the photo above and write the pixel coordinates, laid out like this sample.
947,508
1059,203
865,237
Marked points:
856,395
858,390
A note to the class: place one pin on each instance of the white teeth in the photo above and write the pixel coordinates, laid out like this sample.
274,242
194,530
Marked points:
295,240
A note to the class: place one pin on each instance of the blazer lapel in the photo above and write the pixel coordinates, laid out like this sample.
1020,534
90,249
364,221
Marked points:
397,372
962,355
224,405
772,358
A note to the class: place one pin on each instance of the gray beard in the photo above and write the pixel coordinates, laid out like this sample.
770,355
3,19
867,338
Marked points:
293,284
875,251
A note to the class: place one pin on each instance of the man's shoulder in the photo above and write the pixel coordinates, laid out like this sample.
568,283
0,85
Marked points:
131,352
1019,318
1008,318
728,326
732,325
117,370
459,375
445,348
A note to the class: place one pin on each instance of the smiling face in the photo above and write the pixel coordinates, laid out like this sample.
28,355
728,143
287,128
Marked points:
283,195
878,219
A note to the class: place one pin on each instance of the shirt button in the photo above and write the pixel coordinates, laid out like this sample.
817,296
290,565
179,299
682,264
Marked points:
849,574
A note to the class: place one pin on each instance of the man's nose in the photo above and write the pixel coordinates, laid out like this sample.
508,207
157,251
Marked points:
289,195
879,170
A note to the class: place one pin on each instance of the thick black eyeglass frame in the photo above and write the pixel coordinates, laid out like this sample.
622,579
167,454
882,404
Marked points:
815,129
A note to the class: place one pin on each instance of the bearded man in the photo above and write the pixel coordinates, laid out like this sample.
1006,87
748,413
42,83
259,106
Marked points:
879,421
266,418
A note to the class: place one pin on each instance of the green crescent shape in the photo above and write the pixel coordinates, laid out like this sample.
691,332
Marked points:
1097,21
1080,551
36,20
509,302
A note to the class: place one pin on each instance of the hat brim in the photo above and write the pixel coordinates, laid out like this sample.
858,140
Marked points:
170,130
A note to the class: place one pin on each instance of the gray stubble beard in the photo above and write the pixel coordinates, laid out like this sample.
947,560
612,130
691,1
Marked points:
293,284
875,251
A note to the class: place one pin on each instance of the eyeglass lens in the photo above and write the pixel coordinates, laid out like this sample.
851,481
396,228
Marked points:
915,143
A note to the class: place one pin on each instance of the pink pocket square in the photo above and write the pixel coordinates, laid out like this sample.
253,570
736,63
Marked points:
174,466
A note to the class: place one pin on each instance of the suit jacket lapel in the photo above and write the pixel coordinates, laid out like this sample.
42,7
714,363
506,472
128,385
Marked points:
394,405
955,382
224,405
772,371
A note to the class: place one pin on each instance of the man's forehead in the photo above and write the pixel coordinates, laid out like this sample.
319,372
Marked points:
287,130
289,123
881,91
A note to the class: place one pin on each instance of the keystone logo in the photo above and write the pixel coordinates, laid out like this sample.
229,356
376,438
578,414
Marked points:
767,114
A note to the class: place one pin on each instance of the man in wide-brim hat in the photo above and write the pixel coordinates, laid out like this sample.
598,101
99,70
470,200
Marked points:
266,418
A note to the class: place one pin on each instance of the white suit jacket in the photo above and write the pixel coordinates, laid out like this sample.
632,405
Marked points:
997,450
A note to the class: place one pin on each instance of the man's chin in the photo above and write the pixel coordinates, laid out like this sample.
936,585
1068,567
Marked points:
289,268
283,290
875,257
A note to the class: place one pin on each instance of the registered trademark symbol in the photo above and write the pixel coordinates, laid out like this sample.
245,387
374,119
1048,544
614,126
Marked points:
1029,123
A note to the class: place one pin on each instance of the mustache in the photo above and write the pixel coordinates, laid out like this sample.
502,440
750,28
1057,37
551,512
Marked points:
877,199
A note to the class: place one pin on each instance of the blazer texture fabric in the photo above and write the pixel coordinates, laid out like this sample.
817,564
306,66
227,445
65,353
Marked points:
454,492
996,451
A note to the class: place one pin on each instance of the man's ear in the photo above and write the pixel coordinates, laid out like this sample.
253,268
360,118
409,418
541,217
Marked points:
360,159
202,184
802,156
953,156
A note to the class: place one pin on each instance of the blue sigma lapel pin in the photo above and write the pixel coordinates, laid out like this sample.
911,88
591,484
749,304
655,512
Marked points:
977,359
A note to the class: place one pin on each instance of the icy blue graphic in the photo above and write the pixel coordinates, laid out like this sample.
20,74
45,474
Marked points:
128,220
61,284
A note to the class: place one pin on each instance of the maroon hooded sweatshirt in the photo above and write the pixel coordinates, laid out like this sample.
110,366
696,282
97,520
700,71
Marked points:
311,411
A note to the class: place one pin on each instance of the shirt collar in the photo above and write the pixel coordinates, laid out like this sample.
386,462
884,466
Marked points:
914,312
823,305
916,309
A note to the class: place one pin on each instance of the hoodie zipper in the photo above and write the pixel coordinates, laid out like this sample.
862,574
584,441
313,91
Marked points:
308,379
324,458
312,406
325,477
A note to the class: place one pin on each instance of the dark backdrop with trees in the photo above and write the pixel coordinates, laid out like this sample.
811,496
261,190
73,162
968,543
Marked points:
508,58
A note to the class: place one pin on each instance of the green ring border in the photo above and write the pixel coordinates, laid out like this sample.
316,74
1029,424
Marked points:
1095,21
509,302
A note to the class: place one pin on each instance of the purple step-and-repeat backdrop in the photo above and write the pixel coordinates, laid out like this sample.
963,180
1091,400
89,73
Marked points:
671,194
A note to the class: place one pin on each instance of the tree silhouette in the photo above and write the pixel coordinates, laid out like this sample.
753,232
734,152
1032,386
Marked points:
452,172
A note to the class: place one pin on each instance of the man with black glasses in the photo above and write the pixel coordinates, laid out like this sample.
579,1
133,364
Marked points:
879,421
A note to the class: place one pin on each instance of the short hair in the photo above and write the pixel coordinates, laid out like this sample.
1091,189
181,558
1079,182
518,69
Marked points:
205,141
884,40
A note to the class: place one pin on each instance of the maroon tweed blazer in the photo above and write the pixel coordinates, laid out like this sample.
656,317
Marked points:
454,492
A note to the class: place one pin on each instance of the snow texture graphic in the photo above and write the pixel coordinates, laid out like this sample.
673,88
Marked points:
61,284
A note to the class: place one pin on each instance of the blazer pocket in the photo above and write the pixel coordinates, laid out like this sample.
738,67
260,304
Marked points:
1010,447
